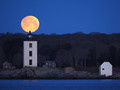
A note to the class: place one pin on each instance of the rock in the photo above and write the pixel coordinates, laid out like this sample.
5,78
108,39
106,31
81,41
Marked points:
47,72
27,72
7,65
10,73
68,69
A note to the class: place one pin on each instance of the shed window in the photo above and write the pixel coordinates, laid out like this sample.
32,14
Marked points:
30,62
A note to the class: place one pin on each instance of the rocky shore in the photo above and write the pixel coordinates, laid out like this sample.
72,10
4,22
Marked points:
50,73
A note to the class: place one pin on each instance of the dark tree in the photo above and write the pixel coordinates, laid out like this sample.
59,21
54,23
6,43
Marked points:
17,60
2,56
92,57
67,46
63,47
11,47
113,55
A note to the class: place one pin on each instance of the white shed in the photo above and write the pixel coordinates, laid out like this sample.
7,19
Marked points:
105,69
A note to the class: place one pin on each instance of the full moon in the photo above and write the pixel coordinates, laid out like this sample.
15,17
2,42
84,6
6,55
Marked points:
30,24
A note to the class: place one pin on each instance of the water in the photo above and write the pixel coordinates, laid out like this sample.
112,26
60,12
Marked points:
59,84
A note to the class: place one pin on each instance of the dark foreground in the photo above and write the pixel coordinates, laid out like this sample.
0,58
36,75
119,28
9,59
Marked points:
59,84
54,73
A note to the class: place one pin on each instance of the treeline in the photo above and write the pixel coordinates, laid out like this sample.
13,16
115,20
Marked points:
74,50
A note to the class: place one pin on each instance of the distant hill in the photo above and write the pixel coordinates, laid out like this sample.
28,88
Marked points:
75,50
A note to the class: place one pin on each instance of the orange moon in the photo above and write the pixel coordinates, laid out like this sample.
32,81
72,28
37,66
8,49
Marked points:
30,23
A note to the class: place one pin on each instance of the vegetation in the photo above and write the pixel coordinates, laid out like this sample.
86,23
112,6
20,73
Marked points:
76,50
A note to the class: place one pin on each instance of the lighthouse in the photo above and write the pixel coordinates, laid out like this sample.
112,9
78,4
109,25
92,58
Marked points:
30,24
30,52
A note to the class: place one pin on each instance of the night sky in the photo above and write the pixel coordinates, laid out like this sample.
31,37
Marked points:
62,16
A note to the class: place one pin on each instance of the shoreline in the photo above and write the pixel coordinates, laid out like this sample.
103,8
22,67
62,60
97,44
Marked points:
60,78
51,73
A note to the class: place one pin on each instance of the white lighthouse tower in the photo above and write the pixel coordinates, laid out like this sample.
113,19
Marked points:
30,24
30,53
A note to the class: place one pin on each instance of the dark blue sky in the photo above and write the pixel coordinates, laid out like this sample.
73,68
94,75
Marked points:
62,16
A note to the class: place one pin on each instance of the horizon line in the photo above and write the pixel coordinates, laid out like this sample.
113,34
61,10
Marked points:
92,33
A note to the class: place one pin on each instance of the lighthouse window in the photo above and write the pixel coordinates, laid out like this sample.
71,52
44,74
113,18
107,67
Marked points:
30,62
103,69
30,53
30,45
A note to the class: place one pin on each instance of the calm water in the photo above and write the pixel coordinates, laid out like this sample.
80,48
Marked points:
59,84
